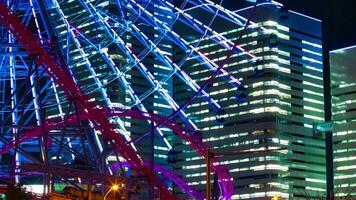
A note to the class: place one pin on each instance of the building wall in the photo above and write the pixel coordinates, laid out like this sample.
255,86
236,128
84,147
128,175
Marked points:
281,100
343,89
284,98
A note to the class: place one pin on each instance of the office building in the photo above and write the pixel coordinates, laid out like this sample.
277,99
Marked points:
343,89
271,94
276,107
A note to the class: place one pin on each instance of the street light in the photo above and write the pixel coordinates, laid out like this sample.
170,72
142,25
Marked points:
113,187
275,198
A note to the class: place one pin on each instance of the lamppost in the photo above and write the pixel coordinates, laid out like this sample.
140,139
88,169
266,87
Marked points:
275,198
113,187
208,171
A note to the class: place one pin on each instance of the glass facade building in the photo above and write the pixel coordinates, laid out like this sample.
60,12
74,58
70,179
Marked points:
268,120
343,90
277,105
109,76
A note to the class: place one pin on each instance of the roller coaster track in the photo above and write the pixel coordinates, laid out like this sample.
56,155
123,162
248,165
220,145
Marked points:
99,117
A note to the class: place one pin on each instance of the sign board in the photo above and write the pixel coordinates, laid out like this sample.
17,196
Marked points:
323,127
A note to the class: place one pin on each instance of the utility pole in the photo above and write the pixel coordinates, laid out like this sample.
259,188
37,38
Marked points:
152,161
208,171
89,189
209,155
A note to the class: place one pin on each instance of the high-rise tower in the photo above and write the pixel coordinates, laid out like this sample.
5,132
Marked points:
343,88
276,106
101,66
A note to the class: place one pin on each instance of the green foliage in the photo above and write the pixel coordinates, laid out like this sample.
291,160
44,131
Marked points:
15,192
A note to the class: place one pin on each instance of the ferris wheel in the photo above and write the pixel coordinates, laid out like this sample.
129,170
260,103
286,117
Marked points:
85,80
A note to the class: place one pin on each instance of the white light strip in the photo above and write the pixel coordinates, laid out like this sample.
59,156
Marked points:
343,49
94,75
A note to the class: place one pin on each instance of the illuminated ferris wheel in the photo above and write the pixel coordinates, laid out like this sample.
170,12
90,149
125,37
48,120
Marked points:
85,83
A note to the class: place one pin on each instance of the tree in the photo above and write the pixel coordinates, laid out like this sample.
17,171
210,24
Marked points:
15,192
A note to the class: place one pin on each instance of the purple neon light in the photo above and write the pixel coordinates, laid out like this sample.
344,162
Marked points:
99,116
60,75
224,179
171,176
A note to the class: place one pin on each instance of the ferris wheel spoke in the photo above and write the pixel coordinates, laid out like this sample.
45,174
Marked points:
211,65
119,75
90,57
31,106
169,62
90,68
139,65
60,76
197,25
189,20
224,13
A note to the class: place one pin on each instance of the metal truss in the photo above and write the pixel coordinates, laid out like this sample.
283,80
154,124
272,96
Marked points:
60,59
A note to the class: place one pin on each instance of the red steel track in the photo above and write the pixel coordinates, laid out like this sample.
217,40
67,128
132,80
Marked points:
99,117
60,76
184,133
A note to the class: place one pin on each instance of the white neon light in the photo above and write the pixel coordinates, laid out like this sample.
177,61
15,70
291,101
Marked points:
130,91
210,63
94,75
343,49
143,69
185,77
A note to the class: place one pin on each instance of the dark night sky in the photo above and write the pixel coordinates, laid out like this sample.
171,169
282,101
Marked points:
339,15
